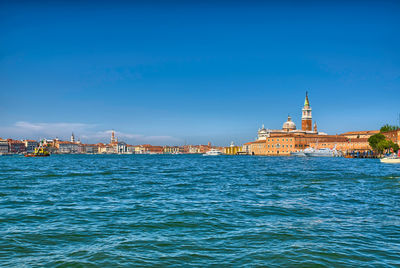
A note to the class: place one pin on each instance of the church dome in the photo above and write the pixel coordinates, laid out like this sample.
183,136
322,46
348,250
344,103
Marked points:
289,125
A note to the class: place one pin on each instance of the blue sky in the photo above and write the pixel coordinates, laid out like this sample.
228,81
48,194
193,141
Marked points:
174,72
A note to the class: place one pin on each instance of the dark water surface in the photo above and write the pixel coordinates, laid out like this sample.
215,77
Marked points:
190,210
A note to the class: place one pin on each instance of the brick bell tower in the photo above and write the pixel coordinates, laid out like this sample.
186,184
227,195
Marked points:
306,118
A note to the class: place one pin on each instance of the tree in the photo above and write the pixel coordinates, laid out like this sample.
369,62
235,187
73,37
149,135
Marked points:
388,127
395,147
375,140
380,144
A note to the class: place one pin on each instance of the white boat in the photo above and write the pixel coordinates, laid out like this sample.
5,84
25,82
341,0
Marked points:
303,152
392,159
323,152
213,152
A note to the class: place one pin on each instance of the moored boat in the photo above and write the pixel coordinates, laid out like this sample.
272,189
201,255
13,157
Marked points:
298,153
392,159
323,152
303,152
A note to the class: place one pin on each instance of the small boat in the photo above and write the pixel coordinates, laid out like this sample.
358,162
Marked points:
391,159
213,152
39,152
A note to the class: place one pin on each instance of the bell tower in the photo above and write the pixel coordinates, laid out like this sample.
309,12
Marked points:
112,137
306,118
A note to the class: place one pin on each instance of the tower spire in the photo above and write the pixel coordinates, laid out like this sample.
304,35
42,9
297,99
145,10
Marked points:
306,118
306,101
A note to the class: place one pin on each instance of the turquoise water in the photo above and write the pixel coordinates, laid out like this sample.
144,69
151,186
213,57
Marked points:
190,210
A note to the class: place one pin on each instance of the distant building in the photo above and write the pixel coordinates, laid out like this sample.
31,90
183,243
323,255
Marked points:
140,149
67,147
345,146
393,135
232,149
130,149
360,134
120,147
106,149
16,146
290,139
91,148
246,148
30,145
289,127
173,150
150,149
4,147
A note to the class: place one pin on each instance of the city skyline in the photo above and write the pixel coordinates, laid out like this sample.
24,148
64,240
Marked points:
217,77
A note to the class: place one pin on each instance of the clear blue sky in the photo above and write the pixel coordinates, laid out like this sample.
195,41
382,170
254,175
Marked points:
170,72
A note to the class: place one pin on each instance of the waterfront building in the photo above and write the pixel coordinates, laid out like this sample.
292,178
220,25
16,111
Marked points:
232,149
30,145
289,138
119,147
193,149
150,149
67,147
346,146
81,148
393,135
138,149
16,146
258,147
4,147
359,134
173,149
246,148
91,148
106,149
72,137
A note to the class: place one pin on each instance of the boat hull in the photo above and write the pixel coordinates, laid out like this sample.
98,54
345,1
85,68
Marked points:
315,154
32,155
297,154
390,160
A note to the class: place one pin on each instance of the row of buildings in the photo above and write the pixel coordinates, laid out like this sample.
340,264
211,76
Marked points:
56,146
289,139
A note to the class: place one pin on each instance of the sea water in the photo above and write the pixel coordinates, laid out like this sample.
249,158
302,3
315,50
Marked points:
191,210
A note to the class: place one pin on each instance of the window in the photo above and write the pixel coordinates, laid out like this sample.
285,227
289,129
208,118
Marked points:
277,139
